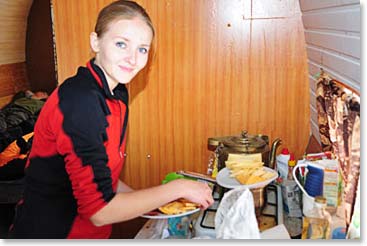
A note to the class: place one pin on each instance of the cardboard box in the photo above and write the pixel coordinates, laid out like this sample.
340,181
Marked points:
331,189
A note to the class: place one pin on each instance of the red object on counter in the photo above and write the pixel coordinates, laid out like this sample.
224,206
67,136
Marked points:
285,151
319,156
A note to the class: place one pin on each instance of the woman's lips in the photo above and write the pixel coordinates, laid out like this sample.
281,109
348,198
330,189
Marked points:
126,69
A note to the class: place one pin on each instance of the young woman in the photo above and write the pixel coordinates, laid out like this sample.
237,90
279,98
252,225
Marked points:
72,175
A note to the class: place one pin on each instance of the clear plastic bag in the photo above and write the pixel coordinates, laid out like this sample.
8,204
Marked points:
235,217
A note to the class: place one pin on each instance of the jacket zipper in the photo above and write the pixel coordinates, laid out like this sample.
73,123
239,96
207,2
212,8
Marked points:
119,148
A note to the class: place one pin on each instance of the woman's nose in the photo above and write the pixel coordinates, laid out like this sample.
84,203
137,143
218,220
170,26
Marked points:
131,57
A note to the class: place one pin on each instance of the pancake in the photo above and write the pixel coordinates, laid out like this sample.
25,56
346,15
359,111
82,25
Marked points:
178,207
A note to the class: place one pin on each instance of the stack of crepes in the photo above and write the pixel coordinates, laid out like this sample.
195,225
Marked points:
248,169
178,207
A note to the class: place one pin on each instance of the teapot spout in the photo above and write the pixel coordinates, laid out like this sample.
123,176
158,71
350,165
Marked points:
273,151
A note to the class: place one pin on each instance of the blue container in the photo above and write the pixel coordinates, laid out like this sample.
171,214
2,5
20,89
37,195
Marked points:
179,227
339,233
314,181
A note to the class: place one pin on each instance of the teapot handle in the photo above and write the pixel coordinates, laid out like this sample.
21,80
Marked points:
295,178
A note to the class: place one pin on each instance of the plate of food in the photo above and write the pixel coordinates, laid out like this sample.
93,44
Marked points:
251,175
177,208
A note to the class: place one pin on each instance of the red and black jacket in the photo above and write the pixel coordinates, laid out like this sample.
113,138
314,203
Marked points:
75,160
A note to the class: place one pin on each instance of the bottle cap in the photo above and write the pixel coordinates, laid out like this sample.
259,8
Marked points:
292,161
285,151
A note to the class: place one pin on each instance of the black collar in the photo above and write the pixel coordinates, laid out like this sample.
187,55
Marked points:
119,92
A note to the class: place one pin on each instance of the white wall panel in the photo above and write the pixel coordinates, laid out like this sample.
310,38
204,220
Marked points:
315,131
312,84
332,34
313,110
313,115
345,66
342,43
307,5
340,19
313,104
314,69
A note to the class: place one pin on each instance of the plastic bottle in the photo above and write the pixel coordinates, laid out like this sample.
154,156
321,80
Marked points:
291,164
317,222
282,163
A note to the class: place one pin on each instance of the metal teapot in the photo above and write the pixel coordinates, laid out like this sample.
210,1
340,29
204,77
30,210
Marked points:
245,144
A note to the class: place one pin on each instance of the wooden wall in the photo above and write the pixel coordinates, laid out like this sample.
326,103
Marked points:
13,78
219,67
333,41
13,24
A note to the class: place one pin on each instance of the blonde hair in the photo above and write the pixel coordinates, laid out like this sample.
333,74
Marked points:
121,9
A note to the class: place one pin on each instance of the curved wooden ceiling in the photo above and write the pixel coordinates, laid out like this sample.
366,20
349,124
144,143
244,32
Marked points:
13,26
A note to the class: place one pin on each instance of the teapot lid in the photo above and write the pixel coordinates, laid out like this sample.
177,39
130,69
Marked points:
246,143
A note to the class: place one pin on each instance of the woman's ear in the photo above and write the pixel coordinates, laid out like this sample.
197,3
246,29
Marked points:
94,42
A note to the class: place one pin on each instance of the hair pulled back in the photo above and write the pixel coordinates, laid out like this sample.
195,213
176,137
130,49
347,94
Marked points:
119,10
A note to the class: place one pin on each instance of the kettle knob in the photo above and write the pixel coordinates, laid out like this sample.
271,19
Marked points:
244,134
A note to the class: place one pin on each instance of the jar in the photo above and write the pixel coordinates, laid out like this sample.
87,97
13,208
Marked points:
317,222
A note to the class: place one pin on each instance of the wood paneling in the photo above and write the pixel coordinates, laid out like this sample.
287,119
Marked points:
216,70
270,9
73,22
5,100
13,24
13,78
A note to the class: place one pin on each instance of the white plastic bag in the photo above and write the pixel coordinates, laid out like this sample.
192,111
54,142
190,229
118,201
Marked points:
235,217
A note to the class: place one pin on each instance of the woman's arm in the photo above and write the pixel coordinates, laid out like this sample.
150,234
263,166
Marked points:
128,205
122,187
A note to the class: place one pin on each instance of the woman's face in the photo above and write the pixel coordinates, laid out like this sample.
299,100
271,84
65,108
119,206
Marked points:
122,51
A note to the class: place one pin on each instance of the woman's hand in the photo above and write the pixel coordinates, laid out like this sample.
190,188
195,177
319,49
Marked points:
194,191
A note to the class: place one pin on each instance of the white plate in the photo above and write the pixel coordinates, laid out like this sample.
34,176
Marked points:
167,216
224,179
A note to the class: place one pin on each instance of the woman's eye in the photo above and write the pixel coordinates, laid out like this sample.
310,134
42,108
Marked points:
143,50
121,44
